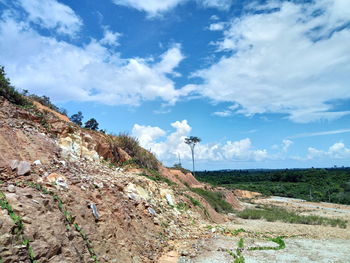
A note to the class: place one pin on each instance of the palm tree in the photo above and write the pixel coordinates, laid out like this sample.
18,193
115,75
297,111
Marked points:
192,141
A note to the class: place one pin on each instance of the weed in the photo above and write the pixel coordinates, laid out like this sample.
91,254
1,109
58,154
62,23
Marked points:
278,240
182,206
68,218
19,227
238,257
131,146
157,177
215,199
273,214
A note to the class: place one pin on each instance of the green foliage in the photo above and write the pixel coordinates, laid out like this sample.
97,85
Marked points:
155,176
237,255
77,118
9,92
273,214
215,199
278,240
19,227
131,146
327,185
91,124
181,206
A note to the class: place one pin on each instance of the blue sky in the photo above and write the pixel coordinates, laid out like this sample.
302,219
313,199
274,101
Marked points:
264,84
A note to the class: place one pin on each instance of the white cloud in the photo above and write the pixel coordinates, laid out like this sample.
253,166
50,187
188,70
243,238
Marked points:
219,4
110,38
336,151
44,65
151,7
287,60
217,26
167,146
312,134
286,144
155,8
52,15
225,113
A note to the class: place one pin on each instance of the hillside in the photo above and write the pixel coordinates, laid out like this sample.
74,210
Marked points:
70,194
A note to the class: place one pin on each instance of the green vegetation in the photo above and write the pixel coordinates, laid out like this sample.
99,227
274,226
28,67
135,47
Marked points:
18,228
238,253
273,214
192,141
278,240
327,185
131,146
91,124
181,206
67,216
215,199
9,92
155,176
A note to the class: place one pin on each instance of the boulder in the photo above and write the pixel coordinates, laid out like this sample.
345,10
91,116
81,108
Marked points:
14,164
23,168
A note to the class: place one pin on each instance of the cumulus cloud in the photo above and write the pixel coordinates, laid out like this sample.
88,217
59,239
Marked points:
110,38
155,8
286,143
336,151
217,26
51,14
65,72
294,59
167,146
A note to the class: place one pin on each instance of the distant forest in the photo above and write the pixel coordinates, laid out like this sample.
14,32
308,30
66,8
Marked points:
327,185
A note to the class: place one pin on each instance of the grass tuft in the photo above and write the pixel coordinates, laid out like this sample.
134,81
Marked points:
273,214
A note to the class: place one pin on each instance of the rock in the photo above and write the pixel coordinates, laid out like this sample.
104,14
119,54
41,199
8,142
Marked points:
11,188
37,162
63,163
94,211
151,211
123,155
58,179
169,199
14,164
23,168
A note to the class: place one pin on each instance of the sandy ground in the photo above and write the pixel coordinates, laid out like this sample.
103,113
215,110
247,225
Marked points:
304,243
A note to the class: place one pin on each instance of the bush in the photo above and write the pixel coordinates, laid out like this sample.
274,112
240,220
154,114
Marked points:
215,199
131,146
273,214
9,92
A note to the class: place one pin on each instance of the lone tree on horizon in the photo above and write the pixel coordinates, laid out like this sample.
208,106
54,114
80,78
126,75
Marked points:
192,141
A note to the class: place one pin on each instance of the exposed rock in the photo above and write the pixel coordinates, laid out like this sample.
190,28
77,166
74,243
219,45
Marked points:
37,162
11,188
14,164
94,211
169,199
123,155
151,211
23,168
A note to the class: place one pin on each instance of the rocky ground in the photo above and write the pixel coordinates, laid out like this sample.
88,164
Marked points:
304,243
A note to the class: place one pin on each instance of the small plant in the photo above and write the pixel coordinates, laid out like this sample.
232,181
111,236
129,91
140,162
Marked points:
238,257
273,214
215,199
278,240
182,206
19,227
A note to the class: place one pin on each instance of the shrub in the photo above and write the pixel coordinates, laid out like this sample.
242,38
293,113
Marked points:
215,199
9,92
131,146
273,214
